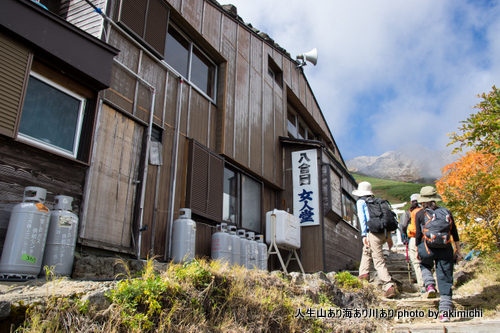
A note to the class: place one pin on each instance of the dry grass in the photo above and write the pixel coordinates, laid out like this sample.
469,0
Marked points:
205,296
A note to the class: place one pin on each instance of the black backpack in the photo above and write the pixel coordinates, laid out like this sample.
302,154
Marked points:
437,228
382,218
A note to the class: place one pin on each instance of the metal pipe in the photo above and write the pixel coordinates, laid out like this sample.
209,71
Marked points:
173,173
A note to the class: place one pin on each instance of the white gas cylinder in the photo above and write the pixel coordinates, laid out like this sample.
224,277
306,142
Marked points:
184,237
235,246
262,258
221,244
253,251
243,248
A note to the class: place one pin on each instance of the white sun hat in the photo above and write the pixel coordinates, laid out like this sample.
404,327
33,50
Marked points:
364,189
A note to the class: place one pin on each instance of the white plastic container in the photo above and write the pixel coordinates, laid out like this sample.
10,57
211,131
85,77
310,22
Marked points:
235,246
24,245
243,248
262,258
221,244
61,239
253,251
287,229
183,237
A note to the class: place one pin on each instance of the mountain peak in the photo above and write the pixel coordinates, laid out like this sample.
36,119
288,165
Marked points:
410,163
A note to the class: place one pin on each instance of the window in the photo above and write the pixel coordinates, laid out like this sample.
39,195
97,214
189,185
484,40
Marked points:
275,71
241,203
296,127
52,116
190,62
349,210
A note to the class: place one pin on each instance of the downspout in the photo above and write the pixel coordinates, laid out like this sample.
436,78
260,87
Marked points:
173,172
146,155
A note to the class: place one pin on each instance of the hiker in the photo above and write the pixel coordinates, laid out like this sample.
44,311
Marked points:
409,229
372,243
434,228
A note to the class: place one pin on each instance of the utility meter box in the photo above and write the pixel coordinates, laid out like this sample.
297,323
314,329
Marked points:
287,229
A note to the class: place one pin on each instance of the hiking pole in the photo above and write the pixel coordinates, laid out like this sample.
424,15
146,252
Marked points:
408,263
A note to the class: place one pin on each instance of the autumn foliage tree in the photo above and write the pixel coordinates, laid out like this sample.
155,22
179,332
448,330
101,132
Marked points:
471,189
471,186
481,130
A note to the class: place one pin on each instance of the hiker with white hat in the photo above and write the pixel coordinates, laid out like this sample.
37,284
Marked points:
372,243
435,228
408,228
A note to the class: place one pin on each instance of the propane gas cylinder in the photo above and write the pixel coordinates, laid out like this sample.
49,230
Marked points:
262,258
61,239
253,250
24,245
243,248
183,237
235,246
221,244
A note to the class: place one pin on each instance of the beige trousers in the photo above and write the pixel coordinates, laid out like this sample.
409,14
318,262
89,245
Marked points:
415,262
375,253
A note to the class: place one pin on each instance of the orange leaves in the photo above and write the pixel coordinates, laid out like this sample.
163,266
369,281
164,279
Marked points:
471,189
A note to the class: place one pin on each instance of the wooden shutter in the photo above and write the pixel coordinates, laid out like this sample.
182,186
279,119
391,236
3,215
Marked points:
205,183
156,26
14,72
132,13
148,20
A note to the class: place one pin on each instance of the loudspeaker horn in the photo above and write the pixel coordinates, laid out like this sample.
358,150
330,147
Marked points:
311,56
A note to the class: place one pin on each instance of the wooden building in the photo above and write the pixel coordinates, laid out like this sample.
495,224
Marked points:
183,105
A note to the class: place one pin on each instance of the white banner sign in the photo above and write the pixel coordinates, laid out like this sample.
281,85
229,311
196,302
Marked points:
306,187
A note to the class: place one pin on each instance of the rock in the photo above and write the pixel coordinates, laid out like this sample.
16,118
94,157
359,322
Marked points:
296,278
461,278
97,300
4,309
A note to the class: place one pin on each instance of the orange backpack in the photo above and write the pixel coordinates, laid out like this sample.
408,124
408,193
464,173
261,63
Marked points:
412,228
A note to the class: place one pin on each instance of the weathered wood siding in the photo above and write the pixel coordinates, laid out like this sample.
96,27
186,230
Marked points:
22,165
342,246
113,187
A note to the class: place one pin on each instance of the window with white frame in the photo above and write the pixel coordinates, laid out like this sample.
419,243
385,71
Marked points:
296,127
52,116
190,61
242,200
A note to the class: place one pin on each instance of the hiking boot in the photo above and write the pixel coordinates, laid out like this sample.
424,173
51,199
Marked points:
431,291
444,318
391,292
364,277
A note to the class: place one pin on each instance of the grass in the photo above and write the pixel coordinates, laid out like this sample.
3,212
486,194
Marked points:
393,191
202,296
207,296
483,289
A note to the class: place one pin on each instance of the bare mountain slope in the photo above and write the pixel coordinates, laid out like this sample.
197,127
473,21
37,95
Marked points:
412,163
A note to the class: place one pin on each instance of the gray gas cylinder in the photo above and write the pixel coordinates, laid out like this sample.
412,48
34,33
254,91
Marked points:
24,245
221,244
61,239
253,251
184,237
262,258
235,246
243,248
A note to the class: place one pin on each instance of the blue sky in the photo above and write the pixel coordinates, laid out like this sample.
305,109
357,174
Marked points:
390,73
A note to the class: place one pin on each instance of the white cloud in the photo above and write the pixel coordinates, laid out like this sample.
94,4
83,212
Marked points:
387,61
